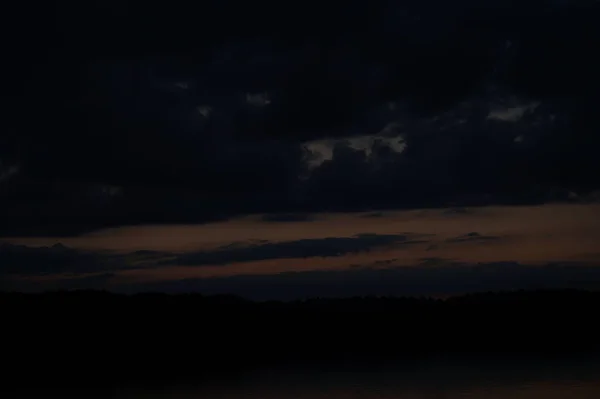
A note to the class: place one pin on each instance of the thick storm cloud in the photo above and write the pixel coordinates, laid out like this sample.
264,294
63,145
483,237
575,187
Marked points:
127,112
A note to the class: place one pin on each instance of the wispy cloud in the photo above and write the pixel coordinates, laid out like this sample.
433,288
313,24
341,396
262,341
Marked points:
511,114
9,173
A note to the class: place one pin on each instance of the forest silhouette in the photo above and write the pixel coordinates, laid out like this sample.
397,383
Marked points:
101,337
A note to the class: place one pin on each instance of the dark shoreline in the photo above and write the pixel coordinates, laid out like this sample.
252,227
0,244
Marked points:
100,338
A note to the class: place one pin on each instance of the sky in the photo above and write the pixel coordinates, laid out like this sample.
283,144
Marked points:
276,150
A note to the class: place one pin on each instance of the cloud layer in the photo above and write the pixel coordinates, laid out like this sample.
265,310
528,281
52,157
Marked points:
195,116
552,246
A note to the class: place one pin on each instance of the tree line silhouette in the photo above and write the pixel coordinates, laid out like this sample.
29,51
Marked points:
101,336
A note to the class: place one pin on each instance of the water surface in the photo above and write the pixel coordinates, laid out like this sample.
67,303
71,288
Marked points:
515,379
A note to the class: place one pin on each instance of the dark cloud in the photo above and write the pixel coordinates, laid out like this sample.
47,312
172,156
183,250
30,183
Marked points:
97,281
71,269
374,215
306,248
204,113
438,278
472,237
21,260
288,217
457,211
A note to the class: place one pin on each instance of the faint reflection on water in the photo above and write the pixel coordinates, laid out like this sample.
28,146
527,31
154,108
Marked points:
448,380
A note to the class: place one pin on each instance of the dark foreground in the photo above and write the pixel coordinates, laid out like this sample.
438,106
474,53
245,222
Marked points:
101,339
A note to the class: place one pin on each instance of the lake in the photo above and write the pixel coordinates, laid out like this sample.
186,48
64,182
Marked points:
475,378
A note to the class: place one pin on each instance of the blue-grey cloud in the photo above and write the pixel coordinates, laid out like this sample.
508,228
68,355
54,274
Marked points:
458,211
74,269
472,237
27,261
90,281
374,215
305,248
20,260
437,277
288,217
